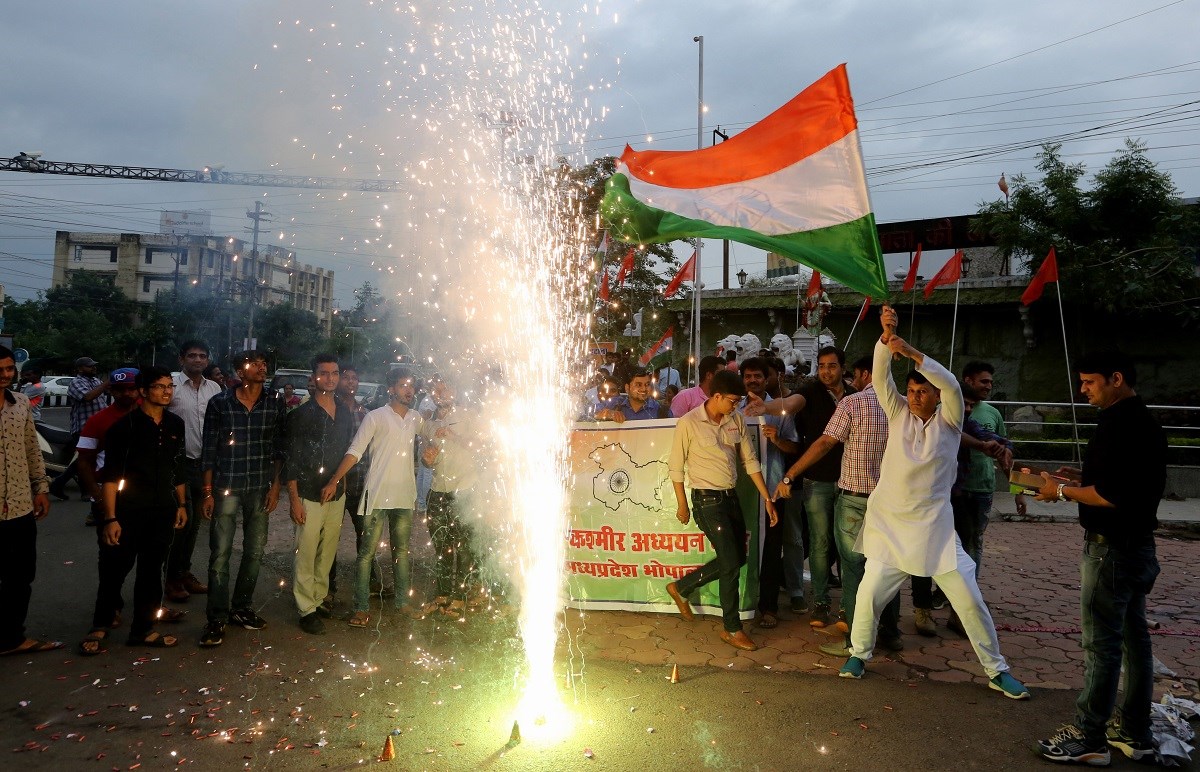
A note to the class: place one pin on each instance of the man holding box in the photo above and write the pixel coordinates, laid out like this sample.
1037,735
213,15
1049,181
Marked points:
1123,478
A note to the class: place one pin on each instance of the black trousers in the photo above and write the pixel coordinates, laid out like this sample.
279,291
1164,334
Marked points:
145,538
18,564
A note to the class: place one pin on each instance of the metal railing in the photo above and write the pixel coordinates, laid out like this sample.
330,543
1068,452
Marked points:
1180,422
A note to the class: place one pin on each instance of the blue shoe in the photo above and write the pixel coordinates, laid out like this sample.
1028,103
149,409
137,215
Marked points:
854,668
1009,687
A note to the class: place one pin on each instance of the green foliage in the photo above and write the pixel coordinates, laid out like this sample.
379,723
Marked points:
1127,245
289,336
377,331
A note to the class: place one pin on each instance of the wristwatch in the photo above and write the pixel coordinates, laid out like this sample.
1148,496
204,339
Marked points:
786,480
1061,497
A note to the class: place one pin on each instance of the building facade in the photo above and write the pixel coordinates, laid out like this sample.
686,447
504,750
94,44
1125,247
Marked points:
144,264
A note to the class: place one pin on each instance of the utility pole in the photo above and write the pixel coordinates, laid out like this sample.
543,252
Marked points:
725,242
258,215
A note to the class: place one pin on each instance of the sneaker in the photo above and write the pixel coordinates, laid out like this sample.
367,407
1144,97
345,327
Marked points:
854,668
820,615
312,624
923,619
835,649
247,619
213,635
1133,749
1069,746
1009,687
840,625
940,601
799,605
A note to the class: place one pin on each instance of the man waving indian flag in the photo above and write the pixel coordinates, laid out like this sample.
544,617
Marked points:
792,184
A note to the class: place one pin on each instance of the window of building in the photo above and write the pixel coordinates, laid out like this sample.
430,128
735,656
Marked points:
146,281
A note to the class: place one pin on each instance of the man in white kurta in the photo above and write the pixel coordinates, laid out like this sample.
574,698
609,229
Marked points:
909,527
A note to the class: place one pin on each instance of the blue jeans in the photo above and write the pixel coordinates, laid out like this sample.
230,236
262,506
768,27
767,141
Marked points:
819,500
719,516
848,519
250,506
1115,582
400,526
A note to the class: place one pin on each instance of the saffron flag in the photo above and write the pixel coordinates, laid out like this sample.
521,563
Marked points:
686,273
910,281
626,267
814,285
604,285
792,184
950,273
665,343
1046,274
863,313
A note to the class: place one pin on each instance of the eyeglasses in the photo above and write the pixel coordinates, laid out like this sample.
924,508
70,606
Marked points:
161,386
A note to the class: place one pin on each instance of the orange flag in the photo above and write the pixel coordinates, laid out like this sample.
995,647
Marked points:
604,286
1046,274
686,273
950,273
814,285
626,267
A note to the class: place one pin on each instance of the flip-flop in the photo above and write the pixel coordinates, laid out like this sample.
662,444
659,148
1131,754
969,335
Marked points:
32,646
360,619
97,636
171,614
154,640
768,620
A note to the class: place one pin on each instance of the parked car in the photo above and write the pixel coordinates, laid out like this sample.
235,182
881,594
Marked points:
297,378
57,385
369,394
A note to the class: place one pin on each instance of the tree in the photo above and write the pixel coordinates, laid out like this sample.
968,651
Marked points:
291,335
1127,245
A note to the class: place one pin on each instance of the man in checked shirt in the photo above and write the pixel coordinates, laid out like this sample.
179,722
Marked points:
242,458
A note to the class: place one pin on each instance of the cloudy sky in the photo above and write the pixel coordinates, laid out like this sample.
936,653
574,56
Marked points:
949,96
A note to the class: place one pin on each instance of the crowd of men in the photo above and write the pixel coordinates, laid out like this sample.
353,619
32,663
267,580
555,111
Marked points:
897,485
887,485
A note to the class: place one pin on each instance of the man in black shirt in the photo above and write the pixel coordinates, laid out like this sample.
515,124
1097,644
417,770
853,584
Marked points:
143,487
1118,491
317,436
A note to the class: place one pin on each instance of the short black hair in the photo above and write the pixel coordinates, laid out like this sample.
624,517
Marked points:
190,344
969,391
728,382
348,367
915,376
242,358
151,374
757,364
975,367
7,353
827,350
1107,363
208,371
32,371
776,364
708,365
864,362
636,372
323,359
397,374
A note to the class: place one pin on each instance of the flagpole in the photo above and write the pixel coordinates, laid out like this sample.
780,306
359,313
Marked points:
853,327
696,284
954,324
1070,379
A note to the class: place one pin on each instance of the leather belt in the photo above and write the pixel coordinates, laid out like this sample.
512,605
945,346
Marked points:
1132,543
855,494
714,493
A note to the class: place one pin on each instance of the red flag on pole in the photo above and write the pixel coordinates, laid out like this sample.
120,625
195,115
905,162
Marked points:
686,273
665,343
950,273
626,267
1046,274
604,285
814,285
866,304
910,281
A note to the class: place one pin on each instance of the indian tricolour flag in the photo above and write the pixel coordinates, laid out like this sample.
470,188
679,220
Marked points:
792,184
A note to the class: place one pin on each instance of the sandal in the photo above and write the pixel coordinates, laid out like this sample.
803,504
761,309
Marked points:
32,646
360,619
93,643
154,640
767,620
170,615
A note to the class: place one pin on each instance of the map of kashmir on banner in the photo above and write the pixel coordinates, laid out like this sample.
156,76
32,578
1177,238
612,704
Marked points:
625,542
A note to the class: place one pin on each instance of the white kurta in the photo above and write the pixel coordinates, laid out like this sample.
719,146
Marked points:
390,482
909,523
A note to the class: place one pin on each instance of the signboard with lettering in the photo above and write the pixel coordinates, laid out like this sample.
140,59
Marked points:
193,223
625,543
